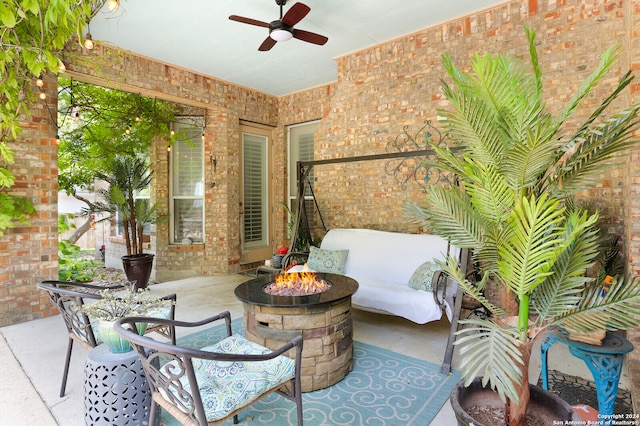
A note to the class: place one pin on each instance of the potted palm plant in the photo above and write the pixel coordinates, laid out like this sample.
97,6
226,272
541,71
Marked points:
517,165
128,176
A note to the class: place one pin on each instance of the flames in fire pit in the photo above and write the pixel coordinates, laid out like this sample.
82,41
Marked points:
296,284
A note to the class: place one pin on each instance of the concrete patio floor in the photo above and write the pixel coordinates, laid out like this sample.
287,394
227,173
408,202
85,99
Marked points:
32,353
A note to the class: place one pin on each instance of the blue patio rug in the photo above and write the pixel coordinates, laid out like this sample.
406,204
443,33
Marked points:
384,389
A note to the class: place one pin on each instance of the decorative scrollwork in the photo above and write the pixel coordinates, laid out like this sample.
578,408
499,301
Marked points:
416,168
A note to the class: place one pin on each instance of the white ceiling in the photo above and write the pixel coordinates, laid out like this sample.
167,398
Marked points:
197,35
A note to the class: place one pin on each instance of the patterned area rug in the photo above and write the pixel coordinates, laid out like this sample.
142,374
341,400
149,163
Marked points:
384,388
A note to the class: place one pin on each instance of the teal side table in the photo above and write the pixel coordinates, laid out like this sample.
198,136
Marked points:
604,362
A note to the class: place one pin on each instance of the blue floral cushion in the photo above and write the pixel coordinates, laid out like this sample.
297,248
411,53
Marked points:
226,386
421,278
331,261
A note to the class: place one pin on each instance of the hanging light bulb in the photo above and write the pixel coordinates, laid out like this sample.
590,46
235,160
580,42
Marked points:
88,41
113,5
169,149
137,118
42,96
128,131
39,82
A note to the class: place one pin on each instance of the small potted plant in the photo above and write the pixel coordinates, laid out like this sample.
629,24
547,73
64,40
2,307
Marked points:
113,306
129,175
516,166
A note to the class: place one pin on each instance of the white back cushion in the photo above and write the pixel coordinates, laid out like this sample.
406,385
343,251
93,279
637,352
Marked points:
386,256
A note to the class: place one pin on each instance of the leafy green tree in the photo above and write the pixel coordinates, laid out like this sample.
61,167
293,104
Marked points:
96,125
32,35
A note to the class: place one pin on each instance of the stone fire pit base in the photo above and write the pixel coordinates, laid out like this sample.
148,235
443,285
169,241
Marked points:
327,330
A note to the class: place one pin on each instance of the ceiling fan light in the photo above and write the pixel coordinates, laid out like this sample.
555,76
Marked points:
281,35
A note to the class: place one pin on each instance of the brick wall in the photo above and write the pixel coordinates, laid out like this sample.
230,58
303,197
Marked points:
379,90
29,252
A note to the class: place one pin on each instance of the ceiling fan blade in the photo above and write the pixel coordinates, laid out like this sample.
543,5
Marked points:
309,37
249,21
295,14
267,44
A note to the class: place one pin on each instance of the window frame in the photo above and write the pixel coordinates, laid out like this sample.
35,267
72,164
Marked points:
196,138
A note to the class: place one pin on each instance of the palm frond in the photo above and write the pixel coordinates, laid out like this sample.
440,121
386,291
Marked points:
562,290
591,152
472,120
489,192
473,289
448,211
532,244
527,160
618,309
493,353
473,123
607,59
533,54
446,160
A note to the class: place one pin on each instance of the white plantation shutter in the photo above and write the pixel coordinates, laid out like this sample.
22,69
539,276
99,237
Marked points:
255,190
187,186
301,148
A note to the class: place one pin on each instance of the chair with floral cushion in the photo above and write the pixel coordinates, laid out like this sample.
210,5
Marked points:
206,386
69,297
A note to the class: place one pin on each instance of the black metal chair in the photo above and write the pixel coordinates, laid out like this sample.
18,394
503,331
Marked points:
207,386
69,297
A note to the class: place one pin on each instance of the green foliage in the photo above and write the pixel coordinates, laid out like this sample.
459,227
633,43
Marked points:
98,123
32,34
518,166
127,177
71,267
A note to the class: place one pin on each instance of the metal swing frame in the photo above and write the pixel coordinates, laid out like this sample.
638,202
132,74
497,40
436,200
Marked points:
304,169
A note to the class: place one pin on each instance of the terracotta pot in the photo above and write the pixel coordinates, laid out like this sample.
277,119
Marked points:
544,405
138,267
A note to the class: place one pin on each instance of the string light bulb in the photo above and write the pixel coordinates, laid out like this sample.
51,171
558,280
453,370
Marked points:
88,42
39,82
113,5
128,131
88,39
42,96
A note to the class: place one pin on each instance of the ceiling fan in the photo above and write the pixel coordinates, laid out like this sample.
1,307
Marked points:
282,29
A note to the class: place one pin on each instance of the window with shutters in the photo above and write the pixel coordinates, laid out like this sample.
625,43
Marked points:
187,186
255,202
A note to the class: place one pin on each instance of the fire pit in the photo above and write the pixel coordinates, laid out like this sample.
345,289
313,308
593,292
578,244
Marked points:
322,318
